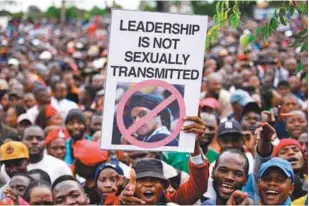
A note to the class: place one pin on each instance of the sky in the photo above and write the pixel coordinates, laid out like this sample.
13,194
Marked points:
82,4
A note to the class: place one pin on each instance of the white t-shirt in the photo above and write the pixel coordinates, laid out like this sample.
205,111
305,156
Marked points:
52,166
63,106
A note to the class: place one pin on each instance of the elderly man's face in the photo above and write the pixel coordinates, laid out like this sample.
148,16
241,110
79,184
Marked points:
213,87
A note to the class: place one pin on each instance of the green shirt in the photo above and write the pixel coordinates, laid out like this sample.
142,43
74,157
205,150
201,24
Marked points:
180,160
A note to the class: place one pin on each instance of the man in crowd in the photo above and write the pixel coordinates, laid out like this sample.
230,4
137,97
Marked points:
34,139
59,100
68,191
76,125
14,157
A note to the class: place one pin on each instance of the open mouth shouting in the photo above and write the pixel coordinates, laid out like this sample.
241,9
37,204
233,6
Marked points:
148,195
293,161
271,195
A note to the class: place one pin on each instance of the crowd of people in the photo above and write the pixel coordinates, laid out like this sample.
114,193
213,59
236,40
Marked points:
251,133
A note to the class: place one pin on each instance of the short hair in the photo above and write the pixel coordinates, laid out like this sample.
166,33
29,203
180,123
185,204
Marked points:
289,95
23,175
53,86
36,183
91,91
32,126
31,182
283,83
43,175
235,151
214,75
62,179
20,109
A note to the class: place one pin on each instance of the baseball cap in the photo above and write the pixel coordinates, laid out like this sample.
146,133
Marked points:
282,164
209,102
13,150
229,127
24,117
240,97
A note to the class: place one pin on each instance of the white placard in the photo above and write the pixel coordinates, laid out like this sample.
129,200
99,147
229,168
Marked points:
154,75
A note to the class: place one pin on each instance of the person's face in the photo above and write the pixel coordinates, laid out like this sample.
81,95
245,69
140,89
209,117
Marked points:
98,83
21,126
68,79
229,174
14,100
289,104
254,82
251,121
61,91
303,140
210,130
20,184
56,148
11,117
107,182
34,140
13,167
295,83
149,189
294,155
29,100
274,187
296,125
146,129
96,123
44,97
88,115
41,196
214,87
5,101
284,90
56,120
76,129
69,193
229,141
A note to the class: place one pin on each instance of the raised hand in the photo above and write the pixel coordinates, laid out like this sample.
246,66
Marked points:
127,195
11,194
238,198
265,135
276,114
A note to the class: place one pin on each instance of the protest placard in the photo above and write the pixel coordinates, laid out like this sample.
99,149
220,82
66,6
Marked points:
153,80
